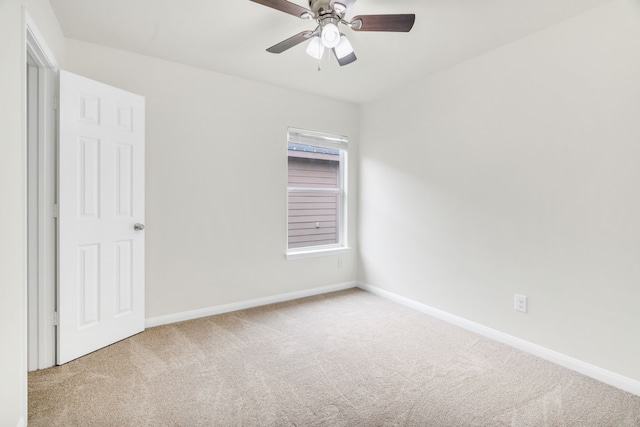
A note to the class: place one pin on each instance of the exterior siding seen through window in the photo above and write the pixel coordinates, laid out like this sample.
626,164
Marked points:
314,196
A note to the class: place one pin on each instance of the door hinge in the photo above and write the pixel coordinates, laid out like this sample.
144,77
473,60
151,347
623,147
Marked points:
55,102
56,318
55,210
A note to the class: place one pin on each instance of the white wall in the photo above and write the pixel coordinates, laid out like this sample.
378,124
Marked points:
216,180
12,193
517,172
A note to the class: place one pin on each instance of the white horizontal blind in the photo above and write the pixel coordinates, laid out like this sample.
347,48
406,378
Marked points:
319,139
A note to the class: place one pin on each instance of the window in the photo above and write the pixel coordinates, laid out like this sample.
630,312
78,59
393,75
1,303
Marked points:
316,199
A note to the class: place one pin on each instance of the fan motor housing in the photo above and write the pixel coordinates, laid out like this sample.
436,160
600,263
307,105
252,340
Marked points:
321,7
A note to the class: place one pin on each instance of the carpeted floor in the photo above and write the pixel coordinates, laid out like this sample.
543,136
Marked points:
344,359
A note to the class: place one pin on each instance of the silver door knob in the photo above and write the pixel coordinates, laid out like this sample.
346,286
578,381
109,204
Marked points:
138,227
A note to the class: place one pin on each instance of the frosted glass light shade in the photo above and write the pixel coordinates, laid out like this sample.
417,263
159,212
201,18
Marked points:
343,48
330,36
339,8
315,48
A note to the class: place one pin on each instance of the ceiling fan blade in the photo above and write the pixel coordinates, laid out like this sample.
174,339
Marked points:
287,7
290,42
345,60
397,23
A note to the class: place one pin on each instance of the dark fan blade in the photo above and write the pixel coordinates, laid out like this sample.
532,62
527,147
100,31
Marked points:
286,7
397,23
346,60
290,42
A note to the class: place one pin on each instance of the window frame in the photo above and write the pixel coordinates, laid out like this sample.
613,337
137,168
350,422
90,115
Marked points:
321,140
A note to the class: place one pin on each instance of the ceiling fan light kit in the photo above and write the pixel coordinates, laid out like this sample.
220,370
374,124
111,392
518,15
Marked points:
330,35
315,49
339,8
343,48
329,14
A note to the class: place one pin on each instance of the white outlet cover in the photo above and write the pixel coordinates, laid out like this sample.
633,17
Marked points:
520,303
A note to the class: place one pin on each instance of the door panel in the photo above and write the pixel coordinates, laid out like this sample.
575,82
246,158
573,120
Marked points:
101,198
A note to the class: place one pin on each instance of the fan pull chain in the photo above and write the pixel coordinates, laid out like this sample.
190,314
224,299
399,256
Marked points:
320,63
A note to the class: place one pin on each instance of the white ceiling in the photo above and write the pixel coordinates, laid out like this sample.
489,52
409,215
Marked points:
230,36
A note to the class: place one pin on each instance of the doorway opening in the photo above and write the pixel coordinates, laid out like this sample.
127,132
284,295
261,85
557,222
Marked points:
41,128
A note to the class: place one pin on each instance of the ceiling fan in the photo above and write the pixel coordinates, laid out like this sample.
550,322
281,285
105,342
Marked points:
329,14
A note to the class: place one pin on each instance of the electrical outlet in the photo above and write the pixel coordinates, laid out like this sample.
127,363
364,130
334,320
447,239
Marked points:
340,262
520,303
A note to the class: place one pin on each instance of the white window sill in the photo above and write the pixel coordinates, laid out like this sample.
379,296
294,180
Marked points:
311,253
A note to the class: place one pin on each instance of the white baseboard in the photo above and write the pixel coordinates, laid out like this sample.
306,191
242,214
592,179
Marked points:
21,423
595,372
242,305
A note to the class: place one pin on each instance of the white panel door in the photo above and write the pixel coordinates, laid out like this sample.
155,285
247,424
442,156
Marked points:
101,216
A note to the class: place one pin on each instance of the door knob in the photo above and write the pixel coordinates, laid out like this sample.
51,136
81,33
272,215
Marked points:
138,227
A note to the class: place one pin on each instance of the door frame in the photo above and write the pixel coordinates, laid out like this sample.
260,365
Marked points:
40,70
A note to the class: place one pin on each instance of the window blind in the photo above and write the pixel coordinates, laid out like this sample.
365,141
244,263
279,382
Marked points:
319,139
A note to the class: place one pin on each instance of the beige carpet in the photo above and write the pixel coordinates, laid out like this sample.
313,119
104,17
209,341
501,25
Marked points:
343,359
